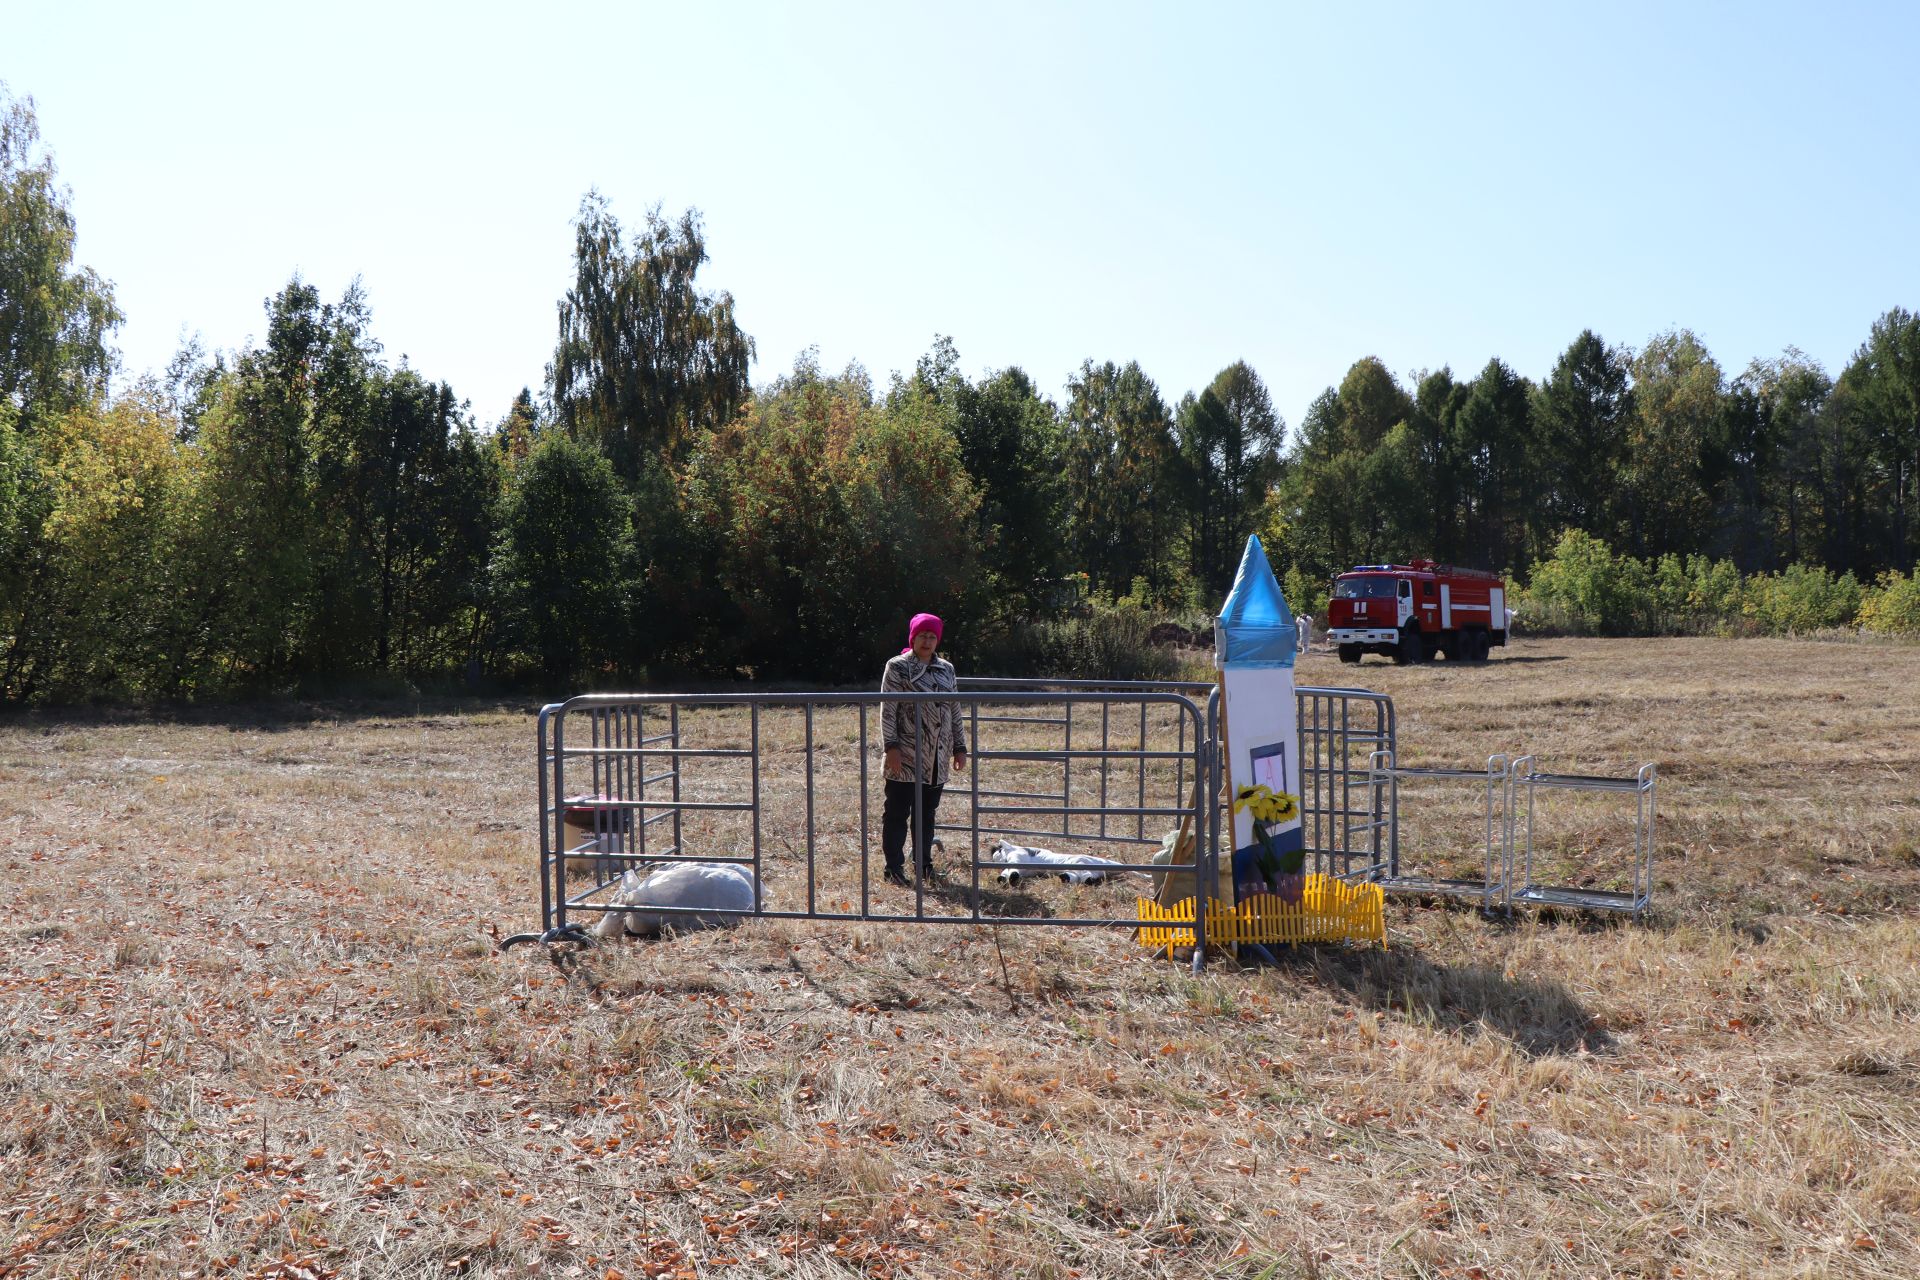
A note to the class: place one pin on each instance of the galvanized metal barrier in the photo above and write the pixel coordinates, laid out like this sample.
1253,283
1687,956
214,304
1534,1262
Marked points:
1496,808
615,769
1509,825
1100,762
1633,900
1345,818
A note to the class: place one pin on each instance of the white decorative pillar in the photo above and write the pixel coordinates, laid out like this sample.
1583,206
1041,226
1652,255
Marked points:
1254,642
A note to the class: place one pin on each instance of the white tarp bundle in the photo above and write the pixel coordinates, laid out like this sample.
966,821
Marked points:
720,891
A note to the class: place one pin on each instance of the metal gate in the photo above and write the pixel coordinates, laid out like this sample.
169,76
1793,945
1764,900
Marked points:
782,784
1346,819
1496,801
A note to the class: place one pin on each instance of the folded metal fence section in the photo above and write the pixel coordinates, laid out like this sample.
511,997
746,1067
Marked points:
1636,875
1403,875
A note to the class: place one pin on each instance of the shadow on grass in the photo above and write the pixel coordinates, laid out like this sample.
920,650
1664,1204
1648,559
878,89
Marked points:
1539,1018
997,902
953,896
268,714
1443,665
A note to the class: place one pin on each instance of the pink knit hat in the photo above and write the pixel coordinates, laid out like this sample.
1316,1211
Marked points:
923,622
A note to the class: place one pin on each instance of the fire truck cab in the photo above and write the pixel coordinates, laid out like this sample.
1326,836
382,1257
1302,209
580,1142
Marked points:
1414,612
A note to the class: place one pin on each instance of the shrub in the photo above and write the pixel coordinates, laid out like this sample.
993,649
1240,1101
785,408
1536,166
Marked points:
1585,589
1801,598
1694,595
1109,641
1892,605
561,569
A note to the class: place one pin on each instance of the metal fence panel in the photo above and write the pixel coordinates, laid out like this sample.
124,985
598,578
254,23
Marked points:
781,783
1345,817
1638,874
613,767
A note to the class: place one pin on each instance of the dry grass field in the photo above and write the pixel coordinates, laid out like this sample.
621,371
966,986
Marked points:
255,1023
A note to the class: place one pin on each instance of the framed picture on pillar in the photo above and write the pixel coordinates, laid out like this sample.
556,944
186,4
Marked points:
1270,767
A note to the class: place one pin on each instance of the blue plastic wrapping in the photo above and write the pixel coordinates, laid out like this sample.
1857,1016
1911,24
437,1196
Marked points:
1256,627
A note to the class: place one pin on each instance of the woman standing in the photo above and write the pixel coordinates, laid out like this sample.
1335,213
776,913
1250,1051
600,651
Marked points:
917,735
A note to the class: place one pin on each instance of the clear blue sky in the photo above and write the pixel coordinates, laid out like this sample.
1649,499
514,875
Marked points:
1185,185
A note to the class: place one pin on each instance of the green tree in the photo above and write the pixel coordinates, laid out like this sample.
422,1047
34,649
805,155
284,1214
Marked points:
1883,387
1808,457
646,361
274,595
1372,403
1009,438
1492,434
1229,440
1437,401
410,493
829,519
1122,491
116,481
1317,493
1580,417
1393,484
516,432
54,318
343,516
25,562
1342,504
19,487
563,557
1677,407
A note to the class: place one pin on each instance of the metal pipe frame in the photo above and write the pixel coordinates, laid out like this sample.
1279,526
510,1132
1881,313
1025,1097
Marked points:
1642,786
621,749
1496,882
616,759
1340,729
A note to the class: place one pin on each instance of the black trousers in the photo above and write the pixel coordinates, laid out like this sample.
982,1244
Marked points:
899,813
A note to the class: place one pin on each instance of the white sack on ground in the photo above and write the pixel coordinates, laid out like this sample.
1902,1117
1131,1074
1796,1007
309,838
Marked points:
721,891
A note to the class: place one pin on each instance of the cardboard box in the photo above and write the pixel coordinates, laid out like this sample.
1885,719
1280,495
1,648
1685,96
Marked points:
590,827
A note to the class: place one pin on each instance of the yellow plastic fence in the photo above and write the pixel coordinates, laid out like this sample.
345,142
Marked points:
1329,910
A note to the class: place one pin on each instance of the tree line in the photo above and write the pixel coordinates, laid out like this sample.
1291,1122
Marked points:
305,510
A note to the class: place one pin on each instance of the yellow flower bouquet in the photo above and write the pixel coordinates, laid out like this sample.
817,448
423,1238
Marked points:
1283,873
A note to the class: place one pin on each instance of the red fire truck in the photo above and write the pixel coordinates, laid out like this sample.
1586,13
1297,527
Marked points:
1411,612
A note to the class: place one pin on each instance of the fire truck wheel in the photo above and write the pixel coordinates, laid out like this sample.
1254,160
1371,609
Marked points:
1412,648
1349,653
1475,644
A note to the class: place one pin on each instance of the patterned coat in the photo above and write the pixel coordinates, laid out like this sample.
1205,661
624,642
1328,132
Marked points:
939,726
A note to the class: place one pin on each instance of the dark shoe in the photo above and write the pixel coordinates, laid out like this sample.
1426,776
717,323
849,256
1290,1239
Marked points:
928,874
895,875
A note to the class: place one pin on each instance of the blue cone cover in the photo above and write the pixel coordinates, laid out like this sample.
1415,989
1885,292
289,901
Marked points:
1257,628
